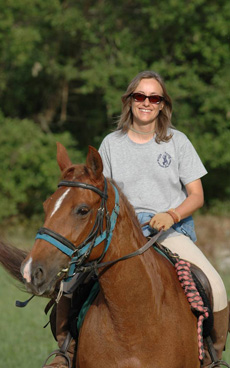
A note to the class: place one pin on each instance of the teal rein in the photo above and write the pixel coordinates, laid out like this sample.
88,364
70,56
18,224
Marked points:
68,248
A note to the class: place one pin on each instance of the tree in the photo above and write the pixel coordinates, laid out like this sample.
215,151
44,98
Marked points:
65,65
28,167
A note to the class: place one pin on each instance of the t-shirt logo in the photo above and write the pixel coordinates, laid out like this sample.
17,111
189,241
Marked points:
164,160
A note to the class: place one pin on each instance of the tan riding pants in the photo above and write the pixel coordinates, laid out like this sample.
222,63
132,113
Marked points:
187,250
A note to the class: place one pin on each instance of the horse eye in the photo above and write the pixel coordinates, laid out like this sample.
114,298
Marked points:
82,211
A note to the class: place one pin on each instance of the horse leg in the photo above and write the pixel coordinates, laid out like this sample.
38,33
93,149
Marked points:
218,335
62,330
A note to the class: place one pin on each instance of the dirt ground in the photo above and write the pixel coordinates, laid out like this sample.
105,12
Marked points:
213,234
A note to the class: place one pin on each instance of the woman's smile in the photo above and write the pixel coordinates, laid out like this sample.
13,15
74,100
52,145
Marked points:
145,112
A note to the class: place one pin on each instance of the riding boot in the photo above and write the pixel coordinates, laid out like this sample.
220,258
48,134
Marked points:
66,352
218,335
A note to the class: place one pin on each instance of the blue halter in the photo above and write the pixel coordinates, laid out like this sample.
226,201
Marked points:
80,253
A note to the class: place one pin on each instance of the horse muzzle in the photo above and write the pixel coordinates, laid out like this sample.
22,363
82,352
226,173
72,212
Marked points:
36,278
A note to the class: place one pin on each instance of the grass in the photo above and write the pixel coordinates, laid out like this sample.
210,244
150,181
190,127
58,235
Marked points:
23,340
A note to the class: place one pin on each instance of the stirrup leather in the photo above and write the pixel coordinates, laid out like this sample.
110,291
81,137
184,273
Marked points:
216,363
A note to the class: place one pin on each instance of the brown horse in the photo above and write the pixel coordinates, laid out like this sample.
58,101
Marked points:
141,317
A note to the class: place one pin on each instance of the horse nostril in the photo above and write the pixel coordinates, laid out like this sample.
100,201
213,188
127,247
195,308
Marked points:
38,276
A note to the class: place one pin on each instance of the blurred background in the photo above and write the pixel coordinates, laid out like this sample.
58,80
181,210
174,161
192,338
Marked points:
63,68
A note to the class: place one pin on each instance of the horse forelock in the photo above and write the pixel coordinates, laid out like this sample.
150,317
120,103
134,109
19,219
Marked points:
83,174
74,172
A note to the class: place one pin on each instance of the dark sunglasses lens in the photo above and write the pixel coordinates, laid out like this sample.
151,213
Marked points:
138,97
152,99
155,99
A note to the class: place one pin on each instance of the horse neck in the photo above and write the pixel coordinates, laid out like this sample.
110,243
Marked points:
121,283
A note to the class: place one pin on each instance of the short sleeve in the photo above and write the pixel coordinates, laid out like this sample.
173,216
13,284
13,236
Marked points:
105,156
191,167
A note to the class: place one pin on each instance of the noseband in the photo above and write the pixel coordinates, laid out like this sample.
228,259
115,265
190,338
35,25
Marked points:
78,254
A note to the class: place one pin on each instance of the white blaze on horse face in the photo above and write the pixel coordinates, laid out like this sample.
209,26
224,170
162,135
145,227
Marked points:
59,202
27,270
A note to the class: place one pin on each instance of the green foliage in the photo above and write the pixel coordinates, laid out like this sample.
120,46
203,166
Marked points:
65,65
28,169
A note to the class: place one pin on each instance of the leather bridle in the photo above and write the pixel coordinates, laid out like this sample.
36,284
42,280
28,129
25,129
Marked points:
79,253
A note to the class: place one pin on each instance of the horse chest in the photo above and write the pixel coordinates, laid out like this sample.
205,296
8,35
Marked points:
102,344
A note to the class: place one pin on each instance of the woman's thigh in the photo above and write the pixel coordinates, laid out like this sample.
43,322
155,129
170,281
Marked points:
186,249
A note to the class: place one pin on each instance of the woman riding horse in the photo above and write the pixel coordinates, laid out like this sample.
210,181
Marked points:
159,171
140,317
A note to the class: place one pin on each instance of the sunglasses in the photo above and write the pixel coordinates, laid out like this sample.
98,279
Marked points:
154,99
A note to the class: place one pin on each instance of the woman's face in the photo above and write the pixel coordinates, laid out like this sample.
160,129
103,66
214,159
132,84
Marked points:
145,112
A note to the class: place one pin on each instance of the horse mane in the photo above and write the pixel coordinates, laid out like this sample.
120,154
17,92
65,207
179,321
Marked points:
129,209
11,259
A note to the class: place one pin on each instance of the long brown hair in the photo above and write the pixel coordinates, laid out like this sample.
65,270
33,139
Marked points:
163,121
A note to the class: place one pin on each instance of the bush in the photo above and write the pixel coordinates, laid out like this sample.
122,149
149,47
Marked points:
28,167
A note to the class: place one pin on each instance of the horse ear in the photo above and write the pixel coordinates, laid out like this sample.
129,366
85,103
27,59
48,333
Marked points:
62,157
94,162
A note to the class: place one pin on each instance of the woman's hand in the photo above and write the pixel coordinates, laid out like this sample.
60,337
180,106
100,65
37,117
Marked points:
161,221
164,220
195,200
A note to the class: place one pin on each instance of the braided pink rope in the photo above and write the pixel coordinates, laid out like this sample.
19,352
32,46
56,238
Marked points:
185,277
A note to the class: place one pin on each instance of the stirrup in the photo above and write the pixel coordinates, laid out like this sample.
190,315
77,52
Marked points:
58,353
62,351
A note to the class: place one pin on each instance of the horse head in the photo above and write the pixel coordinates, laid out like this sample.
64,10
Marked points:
71,223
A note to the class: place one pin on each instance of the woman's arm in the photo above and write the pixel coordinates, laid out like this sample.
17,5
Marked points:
193,202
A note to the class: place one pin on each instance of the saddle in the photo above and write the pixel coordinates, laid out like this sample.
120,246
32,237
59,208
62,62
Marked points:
205,291
202,285
197,281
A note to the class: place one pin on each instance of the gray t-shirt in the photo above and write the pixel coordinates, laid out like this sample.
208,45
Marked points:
151,175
